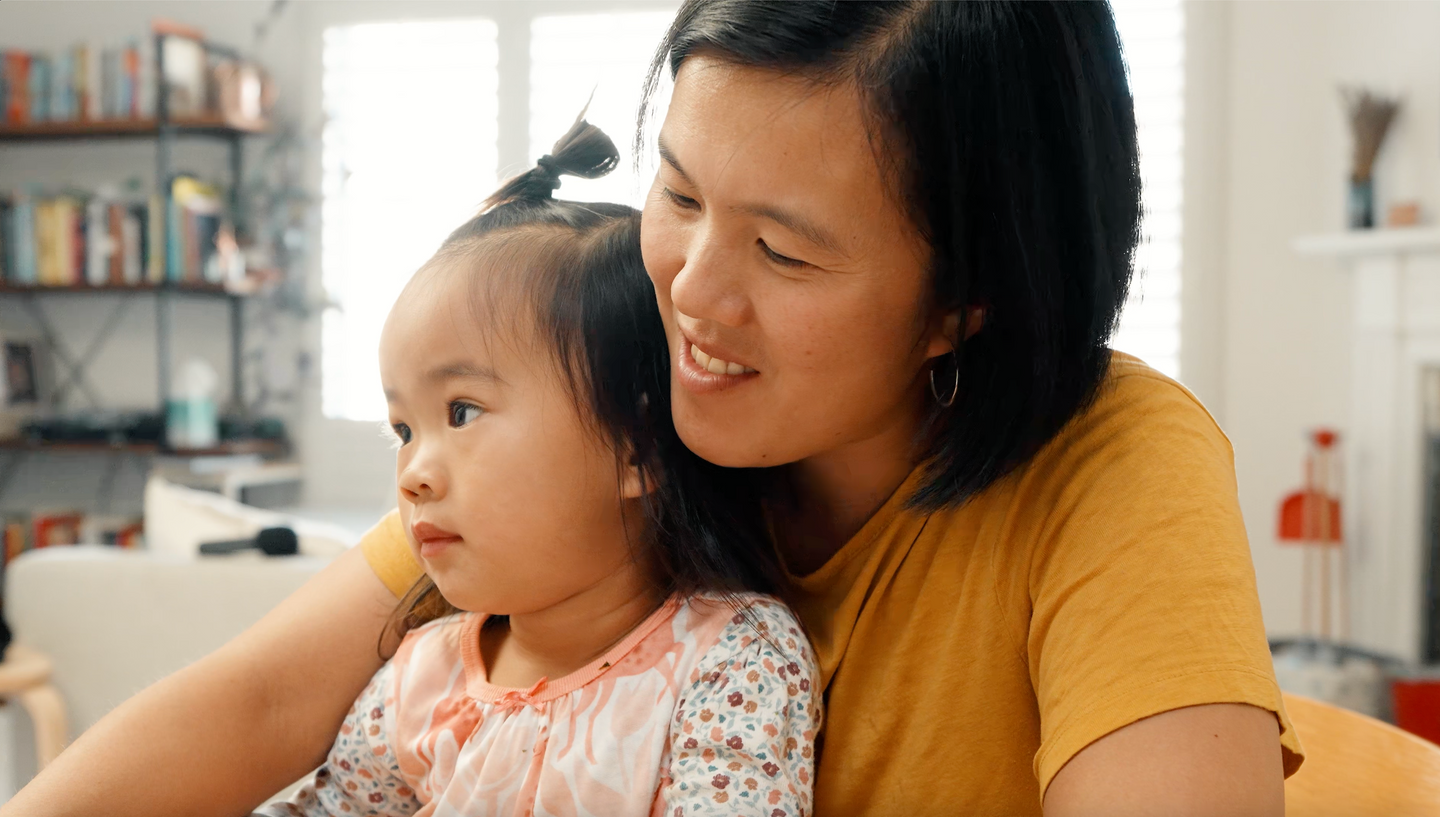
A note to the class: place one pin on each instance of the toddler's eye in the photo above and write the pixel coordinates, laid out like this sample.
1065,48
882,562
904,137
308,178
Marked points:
462,414
402,432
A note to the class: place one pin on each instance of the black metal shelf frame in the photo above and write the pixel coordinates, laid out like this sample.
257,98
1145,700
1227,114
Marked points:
75,365
166,134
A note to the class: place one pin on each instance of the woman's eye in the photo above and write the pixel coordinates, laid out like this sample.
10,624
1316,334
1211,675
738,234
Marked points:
678,200
782,260
402,432
462,414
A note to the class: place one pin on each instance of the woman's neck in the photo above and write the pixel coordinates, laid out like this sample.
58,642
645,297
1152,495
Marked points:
835,493
557,640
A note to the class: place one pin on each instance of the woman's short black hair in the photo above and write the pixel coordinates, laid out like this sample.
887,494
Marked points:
1009,131
573,273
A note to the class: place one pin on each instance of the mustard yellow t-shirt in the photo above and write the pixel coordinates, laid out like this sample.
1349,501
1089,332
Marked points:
968,654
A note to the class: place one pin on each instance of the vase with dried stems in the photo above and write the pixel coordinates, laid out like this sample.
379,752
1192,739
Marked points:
1370,117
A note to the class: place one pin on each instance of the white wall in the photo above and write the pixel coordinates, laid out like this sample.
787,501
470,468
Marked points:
1269,329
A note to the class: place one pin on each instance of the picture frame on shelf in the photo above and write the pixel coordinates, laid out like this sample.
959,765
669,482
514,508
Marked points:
27,384
22,381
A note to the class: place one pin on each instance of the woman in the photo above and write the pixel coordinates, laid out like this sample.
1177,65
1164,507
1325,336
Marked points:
889,243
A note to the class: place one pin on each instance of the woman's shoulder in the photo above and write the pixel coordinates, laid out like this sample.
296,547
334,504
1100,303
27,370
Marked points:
1142,476
1141,438
1140,406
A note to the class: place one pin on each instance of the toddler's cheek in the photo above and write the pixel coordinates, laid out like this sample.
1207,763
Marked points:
407,510
465,592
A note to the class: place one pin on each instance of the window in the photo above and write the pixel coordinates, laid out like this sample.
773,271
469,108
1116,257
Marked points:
575,55
408,153
1153,35
404,164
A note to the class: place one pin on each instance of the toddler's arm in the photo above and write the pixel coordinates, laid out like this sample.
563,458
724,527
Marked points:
361,776
743,738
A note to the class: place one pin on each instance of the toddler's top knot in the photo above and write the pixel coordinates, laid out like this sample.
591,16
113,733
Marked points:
584,151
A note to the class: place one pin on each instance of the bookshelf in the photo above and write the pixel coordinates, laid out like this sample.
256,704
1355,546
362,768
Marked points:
88,289
209,126
265,448
164,130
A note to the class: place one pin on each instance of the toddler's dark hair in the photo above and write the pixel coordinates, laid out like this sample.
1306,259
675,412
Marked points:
579,266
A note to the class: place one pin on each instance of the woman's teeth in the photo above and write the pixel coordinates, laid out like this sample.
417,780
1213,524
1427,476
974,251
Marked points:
715,365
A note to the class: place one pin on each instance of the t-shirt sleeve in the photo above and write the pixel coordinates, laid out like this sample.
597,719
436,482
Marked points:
361,775
1141,583
743,737
388,552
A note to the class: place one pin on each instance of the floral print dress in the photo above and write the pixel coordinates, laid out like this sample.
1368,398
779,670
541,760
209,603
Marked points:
706,708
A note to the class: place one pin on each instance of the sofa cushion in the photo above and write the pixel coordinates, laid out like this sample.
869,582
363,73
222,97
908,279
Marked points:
114,621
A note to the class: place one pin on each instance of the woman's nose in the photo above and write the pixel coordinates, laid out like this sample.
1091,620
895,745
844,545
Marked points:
710,285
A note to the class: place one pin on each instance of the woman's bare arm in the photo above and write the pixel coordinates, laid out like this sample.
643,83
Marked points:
222,735
1218,760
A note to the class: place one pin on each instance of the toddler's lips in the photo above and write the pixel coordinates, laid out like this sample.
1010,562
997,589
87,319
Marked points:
432,538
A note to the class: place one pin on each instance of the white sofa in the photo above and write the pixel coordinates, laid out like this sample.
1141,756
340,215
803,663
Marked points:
114,621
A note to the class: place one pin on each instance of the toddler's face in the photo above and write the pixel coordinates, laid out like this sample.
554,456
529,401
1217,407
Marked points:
510,500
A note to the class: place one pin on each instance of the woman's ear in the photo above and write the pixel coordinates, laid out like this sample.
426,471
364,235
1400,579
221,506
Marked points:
974,320
943,337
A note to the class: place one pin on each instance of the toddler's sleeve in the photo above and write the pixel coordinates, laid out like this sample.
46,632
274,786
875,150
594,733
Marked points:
743,738
361,775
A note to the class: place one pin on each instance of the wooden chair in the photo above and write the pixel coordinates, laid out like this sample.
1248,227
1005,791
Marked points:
25,677
1356,766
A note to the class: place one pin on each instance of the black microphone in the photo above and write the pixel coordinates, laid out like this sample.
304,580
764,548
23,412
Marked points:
273,541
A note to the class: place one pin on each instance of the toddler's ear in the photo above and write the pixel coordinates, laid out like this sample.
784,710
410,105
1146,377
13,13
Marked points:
632,484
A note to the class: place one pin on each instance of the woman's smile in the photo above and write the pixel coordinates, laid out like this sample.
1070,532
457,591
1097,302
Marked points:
703,371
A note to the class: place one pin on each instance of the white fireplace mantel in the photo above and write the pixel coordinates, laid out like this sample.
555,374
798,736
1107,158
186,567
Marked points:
1395,279
1360,243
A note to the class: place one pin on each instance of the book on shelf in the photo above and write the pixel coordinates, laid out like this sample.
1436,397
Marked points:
84,83
15,86
55,528
116,82
106,239
112,529
16,536
22,532
195,223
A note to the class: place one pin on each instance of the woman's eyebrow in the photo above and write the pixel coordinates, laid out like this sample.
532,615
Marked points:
796,223
668,156
791,221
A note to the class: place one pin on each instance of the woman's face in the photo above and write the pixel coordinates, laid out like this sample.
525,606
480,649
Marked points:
792,285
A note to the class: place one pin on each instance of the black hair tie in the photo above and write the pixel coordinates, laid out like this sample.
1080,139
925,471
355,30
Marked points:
549,170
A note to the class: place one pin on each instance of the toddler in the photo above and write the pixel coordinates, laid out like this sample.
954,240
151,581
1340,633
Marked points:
589,637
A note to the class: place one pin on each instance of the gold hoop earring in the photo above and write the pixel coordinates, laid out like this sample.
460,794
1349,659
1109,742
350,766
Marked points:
954,388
